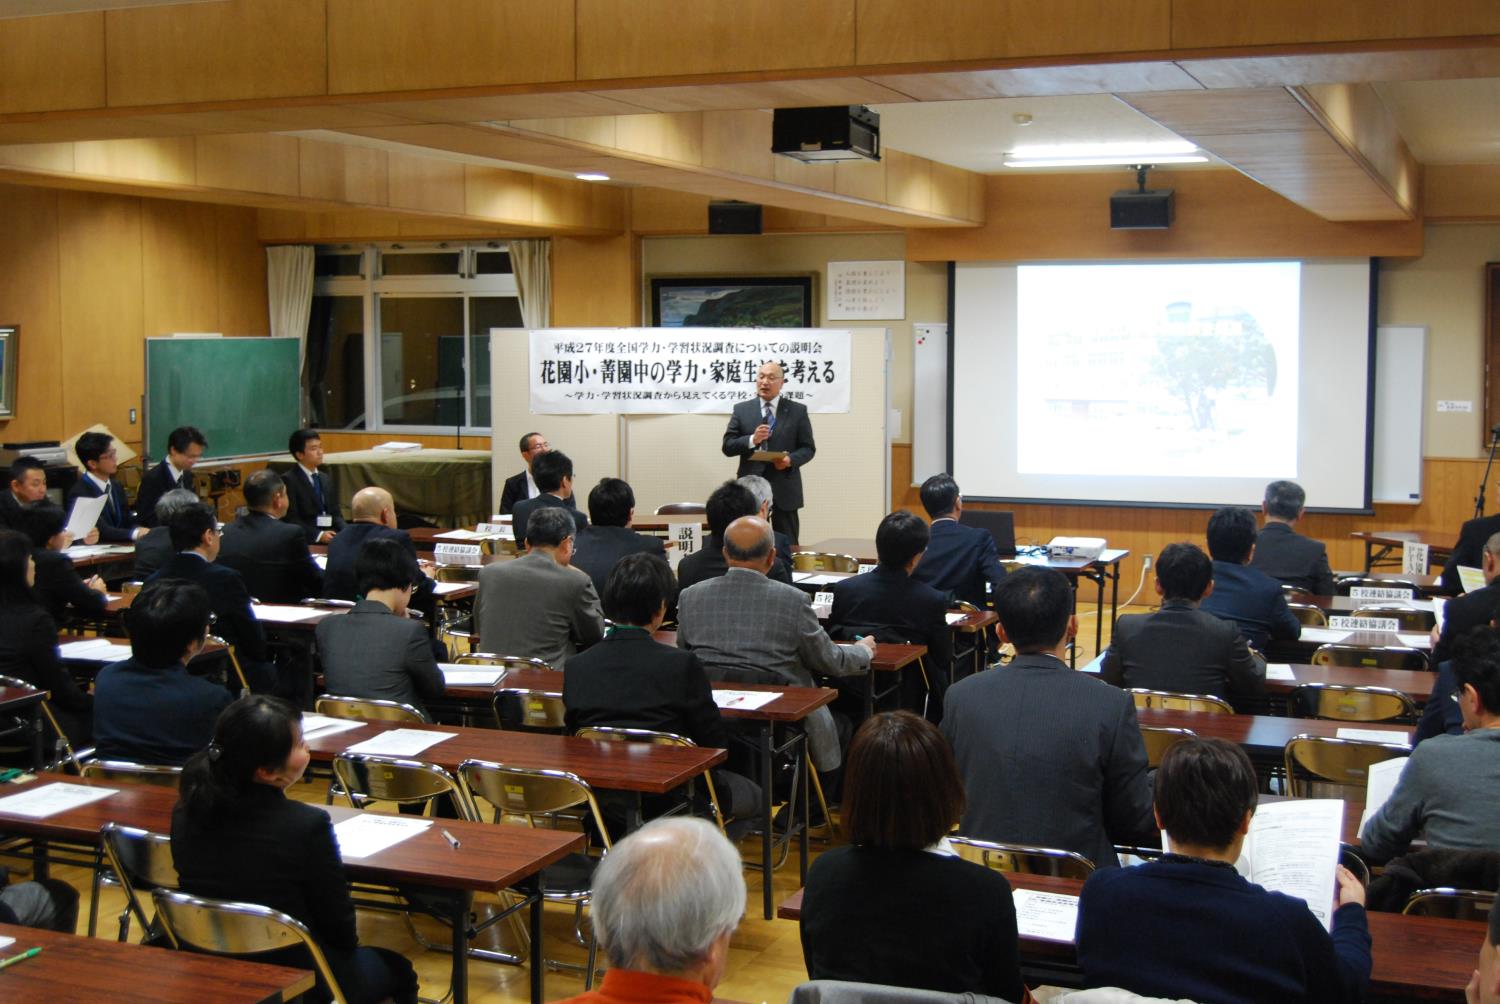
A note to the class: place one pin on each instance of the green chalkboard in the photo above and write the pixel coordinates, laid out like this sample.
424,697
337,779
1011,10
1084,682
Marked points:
243,393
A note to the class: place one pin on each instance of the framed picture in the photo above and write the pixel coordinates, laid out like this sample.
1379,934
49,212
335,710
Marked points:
782,301
9,337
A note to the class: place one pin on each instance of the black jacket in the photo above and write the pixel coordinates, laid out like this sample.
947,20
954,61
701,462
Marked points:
892,606
1469,551
960,560
791,434
338,577
152,550
1292,559
1182,649
116,520
62,590
630,681
235,621
523,510
597,548
272,557
303,509
709,562
154,484
1461,615
28,650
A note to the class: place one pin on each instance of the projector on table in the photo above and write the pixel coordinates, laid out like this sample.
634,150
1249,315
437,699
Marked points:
1077,548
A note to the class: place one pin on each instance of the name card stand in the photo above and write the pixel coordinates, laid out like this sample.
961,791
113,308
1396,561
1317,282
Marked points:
863,568
1364,624
1379,593
823,604
457,554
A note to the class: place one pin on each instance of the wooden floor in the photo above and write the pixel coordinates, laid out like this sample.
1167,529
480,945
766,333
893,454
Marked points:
765,960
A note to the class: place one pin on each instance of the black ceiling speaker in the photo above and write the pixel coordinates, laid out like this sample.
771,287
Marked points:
731,217
1142,209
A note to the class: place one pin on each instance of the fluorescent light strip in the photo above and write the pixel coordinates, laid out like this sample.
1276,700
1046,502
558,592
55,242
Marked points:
1125,161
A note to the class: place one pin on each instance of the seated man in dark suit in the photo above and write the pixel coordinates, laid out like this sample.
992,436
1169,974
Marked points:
195,535
28,486
729,502
630,681
1464,613
960,560
1180,648
523,486
608,537
765,497
185,446
1283,553
1468,552
61,589
149,708
154,548
554,476
1245,595
311,502
375,651
269,554
1048,756
117,522
888,604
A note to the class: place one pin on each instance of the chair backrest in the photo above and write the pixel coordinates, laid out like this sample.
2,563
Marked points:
528,792
65,747
1023,858
220,927
1406,618
682,509
823,561
1295,594
1458,904
1346,703
1159,740
1308,615
368,710
1169,701
1344,583
365,776
1382,657
614,733
457,573
161,775
541,710
142,862
503,661
1319,767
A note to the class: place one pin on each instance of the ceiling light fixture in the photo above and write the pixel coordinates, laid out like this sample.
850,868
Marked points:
589,176
1105,154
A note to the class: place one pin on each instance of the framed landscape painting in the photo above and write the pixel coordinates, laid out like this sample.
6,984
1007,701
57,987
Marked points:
732,302
9,336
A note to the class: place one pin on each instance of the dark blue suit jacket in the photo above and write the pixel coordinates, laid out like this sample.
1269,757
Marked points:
892,606
154,484
1254,601
338,577
234,620
150,714
521,514
117,520
1441,715
959,561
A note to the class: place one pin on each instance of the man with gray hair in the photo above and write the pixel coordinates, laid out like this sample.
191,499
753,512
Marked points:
744,626
666,901
761,489
1283,553
154,548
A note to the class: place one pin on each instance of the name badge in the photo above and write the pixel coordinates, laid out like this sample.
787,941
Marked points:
1364,623
325,522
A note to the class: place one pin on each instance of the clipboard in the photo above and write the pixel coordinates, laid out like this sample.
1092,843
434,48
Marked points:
768,456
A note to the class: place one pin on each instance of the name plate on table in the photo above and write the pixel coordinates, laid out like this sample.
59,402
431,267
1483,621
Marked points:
863,568
1364,624
822,604
1379,593
457,554
1414,558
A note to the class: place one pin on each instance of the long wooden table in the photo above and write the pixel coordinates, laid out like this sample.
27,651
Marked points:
1439,545
1415,958
489,859
1263,737
791,706
87,970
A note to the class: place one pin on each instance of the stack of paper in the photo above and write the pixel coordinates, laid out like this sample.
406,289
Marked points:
50,799
400,742
445,588
323,725
94,650
1375,735
1293,848
470,676
1380,782
744,700
1049,915
372,832
397,446
276,614
1280,671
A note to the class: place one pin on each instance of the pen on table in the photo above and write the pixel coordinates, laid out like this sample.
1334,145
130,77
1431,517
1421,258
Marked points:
21,958
452,840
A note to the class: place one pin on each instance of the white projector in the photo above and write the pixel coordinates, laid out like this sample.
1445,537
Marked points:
1076,548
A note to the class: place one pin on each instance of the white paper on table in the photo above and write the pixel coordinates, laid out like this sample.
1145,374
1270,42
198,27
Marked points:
1323,636
400,742
456,675
1470,578
85,515
1094,665
89,551
1049,915
1374,736
94,650
7,942
50,799
1380,781
1439,611
744,700
324,725
457,535
1414,639
277,614
1280,671
954,616
444,588
372,832
818,578
1293,848
321,560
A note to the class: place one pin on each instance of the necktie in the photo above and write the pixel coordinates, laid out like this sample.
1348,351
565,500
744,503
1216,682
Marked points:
317,484
114,510
770,418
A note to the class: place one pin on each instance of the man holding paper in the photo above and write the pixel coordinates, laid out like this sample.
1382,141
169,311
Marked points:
1202,930
1471,610
772,436
115,520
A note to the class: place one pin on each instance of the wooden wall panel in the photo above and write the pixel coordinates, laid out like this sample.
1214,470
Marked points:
51,63
250,163
1217,23
179,268
30,298
646,38
243,307
425,183
239,49
401,45
1461,192
1220,214
596,281
898,31
161,161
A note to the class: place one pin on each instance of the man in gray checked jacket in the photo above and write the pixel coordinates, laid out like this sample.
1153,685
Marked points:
744,626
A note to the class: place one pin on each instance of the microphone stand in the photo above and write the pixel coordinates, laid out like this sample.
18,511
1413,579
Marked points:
1485,479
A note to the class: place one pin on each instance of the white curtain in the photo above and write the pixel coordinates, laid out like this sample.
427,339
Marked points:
289,288
532,263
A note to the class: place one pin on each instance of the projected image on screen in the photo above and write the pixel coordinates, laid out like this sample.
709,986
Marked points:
1158,369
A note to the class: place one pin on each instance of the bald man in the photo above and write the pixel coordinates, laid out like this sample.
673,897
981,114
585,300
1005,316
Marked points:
772,422
375,519
745,626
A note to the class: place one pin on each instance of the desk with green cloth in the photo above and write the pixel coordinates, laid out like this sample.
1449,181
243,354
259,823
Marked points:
446,487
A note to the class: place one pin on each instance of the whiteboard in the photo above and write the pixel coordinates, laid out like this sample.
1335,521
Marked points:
677,458
1400,384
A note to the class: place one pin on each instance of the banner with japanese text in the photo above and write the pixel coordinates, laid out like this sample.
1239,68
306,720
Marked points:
656,371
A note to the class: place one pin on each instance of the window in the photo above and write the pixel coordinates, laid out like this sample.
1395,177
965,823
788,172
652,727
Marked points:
398,338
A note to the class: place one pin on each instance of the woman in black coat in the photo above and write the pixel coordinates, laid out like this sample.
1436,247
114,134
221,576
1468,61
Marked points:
28,640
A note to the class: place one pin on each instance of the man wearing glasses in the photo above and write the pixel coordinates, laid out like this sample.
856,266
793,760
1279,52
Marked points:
522,486
117,521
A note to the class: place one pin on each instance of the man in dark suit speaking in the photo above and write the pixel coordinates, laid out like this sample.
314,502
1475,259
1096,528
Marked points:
771,423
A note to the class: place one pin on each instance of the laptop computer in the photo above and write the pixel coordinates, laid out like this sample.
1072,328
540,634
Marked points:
1001,526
